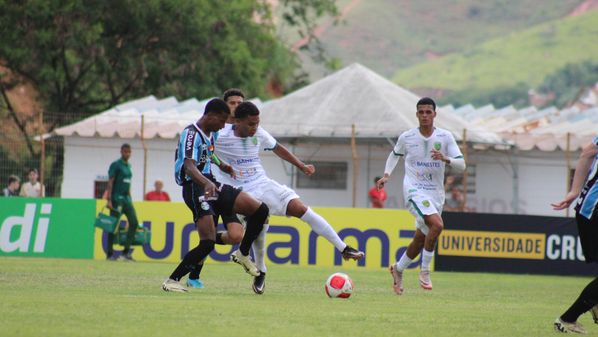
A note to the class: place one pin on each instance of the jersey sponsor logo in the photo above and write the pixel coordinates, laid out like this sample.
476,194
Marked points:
189,140
424,176
127,180
247,161
429,164
492,244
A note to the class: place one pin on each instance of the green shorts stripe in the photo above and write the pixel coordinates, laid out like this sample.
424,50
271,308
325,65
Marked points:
416,208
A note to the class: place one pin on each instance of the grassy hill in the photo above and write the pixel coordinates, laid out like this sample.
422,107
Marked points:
524,57
386,35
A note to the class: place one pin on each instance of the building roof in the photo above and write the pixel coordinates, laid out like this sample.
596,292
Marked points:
356,96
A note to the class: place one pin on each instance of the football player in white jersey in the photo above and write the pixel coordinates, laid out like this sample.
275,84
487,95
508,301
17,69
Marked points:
426,150
239,145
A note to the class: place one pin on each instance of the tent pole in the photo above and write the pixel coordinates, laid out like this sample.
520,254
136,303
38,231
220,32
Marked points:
355,163
144,145
568,160
42,164
464,181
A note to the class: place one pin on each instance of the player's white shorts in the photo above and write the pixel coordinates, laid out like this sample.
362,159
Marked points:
273,194
421,205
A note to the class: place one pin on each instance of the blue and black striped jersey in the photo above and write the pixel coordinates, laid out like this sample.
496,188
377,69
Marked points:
588,199
194,144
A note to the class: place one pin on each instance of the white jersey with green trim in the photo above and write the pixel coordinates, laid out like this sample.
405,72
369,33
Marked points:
242,154
424,175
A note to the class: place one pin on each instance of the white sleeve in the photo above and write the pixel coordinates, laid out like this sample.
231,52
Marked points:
391,163
267,142
393,158
455,155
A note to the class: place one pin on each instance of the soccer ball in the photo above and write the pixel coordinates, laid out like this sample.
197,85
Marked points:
339,285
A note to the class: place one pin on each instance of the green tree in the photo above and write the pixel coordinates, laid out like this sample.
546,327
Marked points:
82,57
86,56
568,81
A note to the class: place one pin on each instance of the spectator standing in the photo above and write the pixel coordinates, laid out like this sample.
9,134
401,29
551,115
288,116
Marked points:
157,194
33,188
455,200
12,190
377,196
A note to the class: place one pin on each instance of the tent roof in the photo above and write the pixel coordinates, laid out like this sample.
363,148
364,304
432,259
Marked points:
528,128
164,118
356,96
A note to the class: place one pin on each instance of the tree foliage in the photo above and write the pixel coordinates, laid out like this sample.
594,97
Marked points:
86,56
568,81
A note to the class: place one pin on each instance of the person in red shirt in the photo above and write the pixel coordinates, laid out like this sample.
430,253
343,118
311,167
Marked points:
377,197
158,194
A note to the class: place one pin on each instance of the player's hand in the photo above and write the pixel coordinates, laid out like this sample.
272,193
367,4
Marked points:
308,170
380,183
565,203
109,204
437,155
209,189
229,170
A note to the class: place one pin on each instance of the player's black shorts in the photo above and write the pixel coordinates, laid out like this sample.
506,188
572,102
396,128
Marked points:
193,195
228,218
588,232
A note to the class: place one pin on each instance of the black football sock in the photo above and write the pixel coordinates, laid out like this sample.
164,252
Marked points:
587,299
219,238
192,259
194,274
255,224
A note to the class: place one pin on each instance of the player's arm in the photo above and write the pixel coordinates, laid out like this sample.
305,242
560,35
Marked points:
454,158
391,162
224,167
190,167
109,192
286,155
582,169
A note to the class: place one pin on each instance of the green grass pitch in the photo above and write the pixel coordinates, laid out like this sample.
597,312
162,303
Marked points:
54,297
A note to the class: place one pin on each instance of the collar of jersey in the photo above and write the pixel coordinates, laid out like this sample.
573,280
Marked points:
201,131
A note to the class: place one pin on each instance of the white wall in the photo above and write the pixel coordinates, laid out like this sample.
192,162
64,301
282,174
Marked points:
542,178
88,159
542,175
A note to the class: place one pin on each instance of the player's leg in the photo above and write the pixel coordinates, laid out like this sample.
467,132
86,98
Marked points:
259,251
203,214
427,211
231,224
435,225
588,298
284,201
207,235
396,270
233,234
256,214
129,212
298,209
111,236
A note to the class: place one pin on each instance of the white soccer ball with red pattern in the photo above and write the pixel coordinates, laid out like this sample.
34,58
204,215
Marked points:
339,285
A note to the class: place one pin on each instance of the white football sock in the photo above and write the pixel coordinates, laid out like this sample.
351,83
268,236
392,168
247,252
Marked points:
426,259
259,249
323,228
404,262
